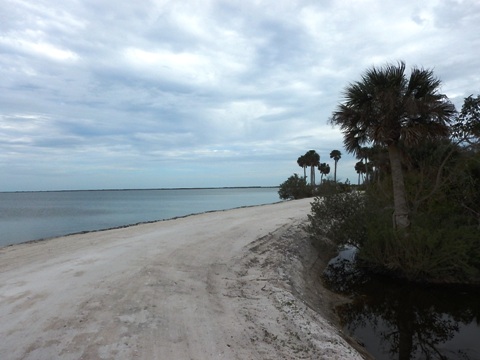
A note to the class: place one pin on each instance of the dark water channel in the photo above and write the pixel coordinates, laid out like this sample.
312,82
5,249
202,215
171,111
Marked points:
399,320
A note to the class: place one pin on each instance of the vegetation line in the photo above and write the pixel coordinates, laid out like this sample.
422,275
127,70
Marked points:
419,166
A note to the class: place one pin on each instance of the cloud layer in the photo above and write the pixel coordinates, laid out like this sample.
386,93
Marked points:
103,94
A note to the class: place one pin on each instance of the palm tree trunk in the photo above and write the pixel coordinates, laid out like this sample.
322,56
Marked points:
335,173
312,175
400,216
366,180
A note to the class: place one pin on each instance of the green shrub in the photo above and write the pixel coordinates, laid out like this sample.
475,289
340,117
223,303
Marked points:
435,254
338,217
441,246
329,187
294,187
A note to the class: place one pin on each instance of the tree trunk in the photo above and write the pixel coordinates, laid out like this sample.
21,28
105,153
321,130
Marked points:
400,216
312,175
366,180
335,173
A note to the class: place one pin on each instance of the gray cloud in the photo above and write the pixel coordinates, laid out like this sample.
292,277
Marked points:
213,93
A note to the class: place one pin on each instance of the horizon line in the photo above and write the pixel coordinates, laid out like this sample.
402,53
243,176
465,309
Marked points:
148,189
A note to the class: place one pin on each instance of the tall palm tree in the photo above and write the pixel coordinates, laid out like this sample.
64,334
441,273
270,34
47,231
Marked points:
301,161
364,154
360,168
312,159
335,155
388,108
324,169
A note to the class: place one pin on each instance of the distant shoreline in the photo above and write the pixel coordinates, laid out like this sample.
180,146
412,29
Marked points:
145,189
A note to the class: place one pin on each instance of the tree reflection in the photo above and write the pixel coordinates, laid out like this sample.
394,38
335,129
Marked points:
409,321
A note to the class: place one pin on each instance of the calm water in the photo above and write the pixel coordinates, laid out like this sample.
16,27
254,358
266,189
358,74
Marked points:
399,320
39,215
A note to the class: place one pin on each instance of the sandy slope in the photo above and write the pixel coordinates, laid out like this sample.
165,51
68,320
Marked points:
223,285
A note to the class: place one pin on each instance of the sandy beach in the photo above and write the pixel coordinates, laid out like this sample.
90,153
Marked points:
236,284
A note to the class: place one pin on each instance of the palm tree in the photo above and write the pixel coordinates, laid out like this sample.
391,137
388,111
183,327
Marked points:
312,159
364,154
301,161
324,169
387,108
360,168
335,155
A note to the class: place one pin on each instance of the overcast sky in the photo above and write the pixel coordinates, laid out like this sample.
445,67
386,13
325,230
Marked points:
146,94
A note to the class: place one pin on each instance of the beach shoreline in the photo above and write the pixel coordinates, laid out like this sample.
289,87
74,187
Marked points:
37,216
227,284
33,241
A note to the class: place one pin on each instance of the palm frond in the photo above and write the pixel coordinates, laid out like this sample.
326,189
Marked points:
385,107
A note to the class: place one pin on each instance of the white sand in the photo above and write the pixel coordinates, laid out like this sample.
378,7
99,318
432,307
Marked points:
223,285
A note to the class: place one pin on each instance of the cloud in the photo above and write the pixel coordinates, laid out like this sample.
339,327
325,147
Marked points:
211,93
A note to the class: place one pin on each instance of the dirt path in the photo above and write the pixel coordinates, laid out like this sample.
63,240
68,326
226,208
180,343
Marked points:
209,286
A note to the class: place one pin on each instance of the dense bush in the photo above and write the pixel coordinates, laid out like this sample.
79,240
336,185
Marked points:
339,217
330,187
432,254
294,187
441,246
419,217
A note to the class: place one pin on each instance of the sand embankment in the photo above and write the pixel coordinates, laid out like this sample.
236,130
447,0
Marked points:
223,285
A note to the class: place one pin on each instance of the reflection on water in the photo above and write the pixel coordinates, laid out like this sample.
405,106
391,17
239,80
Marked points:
397,320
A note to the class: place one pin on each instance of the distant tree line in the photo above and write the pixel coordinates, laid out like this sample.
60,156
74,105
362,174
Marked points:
296,187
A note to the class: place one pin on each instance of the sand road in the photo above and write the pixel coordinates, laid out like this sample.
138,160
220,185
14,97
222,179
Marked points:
221,285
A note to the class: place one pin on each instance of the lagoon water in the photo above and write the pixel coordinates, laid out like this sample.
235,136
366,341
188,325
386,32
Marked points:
26,216
405,321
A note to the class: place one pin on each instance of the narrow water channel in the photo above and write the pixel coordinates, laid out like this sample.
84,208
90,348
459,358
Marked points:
404,321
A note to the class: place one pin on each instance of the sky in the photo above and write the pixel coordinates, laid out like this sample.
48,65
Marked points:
99,94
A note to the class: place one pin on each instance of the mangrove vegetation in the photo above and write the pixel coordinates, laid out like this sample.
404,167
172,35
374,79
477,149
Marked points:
416,214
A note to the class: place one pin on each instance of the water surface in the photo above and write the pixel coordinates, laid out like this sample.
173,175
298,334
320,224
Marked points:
400,320
28,216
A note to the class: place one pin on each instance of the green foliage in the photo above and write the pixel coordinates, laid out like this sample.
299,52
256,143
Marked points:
467,127
324,169
466,189
312,159
428,187
338,216
442,245
330,187
390,109
294,187
433,254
